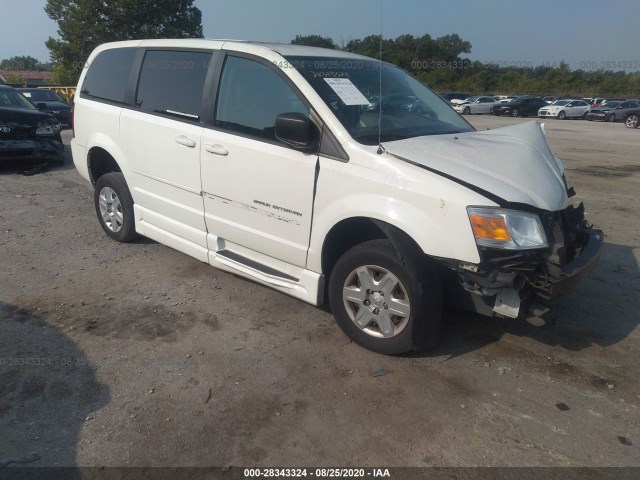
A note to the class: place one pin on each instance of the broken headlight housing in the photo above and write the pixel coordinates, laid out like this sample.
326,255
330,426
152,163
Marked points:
48,127
506,229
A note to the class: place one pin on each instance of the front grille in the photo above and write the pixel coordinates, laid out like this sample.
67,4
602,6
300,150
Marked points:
16,134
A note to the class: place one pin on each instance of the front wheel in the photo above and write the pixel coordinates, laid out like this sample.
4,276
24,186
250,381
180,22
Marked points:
114,207
562,115
611,118
632,121
466,111
515,112
384,301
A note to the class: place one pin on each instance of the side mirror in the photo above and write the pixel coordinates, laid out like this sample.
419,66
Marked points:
41,106
296,130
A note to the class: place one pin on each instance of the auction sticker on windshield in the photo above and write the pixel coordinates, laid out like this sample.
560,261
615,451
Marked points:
347,91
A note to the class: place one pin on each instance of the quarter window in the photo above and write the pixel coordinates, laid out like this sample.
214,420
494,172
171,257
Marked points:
172,82
108,75
251,96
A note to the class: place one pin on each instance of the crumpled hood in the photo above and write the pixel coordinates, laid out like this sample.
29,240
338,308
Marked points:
513,163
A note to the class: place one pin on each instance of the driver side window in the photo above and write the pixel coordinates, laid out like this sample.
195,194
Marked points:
251,96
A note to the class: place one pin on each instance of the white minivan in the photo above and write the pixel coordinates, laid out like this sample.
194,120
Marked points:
327,175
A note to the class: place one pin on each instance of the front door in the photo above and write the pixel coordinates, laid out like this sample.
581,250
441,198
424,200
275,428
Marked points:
258,192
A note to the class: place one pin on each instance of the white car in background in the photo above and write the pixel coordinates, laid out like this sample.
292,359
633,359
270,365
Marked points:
567,108
504,98
474,105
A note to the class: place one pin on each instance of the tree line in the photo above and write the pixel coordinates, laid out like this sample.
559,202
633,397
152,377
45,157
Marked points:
438,62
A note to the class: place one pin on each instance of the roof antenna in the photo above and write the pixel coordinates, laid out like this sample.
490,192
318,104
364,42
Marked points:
380,149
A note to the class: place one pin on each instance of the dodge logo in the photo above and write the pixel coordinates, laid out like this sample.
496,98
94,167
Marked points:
5,130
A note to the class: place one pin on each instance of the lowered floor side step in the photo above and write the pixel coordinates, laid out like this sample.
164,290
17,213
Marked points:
255,265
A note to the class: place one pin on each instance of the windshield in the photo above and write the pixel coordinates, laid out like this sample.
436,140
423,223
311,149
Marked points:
406,108
561,102
41,96
13,99
471,99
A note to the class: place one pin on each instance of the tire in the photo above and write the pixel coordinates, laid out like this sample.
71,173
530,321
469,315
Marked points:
114,207
466,111
562,115
631,121
611,118
413,285
491,111
585,116
515,112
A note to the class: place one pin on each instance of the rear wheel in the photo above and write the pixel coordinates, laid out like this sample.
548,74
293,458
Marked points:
384,301
114,207
585,116
632,121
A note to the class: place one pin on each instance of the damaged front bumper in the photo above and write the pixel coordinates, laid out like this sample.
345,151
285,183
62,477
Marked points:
45,149
529,283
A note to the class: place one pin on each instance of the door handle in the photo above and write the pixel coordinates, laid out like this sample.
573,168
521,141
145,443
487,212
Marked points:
216,149
187,142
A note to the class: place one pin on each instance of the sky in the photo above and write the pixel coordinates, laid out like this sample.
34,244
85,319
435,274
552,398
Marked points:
583,33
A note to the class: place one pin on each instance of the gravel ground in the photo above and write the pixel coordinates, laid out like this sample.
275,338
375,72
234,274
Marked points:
137,355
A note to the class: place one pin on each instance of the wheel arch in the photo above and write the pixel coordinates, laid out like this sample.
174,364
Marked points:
353,231
100,162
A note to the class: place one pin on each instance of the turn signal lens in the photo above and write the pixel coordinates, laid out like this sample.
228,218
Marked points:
491,228
507,229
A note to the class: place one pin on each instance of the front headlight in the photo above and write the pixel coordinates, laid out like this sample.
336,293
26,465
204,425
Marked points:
48,128
508,229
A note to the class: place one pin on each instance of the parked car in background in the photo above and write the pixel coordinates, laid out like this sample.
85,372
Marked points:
550,98
525,106
26,132
448,96
49,101
612,111
504,98
631,119
595,102
474,105
565,108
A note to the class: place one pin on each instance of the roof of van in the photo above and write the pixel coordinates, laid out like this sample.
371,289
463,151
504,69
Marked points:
283,49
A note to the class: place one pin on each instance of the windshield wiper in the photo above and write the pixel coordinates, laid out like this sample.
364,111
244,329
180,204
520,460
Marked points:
385,137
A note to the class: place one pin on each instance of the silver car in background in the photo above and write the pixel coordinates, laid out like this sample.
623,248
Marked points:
565,108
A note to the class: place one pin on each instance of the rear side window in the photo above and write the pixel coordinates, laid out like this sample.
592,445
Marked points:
251,96
108,75
172,82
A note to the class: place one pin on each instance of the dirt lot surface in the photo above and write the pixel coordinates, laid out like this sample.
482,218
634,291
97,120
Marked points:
137,355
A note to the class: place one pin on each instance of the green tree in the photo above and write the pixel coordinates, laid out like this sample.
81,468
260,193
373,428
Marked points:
21,63
15,79
314,41
85,24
